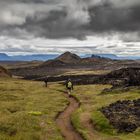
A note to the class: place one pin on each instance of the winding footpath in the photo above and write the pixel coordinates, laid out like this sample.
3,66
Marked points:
64,121
68,131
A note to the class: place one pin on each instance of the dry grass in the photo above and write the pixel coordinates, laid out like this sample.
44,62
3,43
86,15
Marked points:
28,110
82,72
91,101
18,99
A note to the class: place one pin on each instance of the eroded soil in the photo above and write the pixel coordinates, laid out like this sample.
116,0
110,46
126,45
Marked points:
64,121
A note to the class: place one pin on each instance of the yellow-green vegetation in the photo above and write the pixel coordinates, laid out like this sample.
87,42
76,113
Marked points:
28,110
91,101
82,72
21,64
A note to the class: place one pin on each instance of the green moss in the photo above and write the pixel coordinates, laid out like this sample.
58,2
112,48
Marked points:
75,118
102,124
92,100
28,110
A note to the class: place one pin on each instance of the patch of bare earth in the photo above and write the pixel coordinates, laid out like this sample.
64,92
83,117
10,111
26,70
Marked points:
92,134
64,121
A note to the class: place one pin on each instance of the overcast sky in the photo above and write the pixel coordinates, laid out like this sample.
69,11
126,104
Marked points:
79,26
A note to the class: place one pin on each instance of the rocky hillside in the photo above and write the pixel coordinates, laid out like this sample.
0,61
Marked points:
124,77
68,62
118,78
123,115
68,57
4,72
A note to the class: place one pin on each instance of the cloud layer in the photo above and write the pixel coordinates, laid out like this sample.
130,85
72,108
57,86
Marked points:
61,20
70,18
102,44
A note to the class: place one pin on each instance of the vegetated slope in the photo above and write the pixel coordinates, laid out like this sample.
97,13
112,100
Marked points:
28,110
89,113
4,72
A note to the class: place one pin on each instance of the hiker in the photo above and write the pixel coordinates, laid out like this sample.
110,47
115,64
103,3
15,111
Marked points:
46,82
69,86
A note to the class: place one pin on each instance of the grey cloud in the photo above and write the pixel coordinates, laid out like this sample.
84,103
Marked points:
10,48
68,18
130,37
107,18
97,44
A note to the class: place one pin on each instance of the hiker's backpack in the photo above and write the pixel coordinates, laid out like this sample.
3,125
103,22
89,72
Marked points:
69,84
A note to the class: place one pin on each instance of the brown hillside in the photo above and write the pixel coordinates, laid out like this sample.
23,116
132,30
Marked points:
71,62
52,63
68,57
4,72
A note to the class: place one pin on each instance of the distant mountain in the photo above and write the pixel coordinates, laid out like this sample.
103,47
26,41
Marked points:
69,61
110,56
68,57
63,60
130,58
39,57
3,56
115,57
85,55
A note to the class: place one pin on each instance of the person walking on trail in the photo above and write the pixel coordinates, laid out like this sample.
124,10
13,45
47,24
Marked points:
46,82
69,86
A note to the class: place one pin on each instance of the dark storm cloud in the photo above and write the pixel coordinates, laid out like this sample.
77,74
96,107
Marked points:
69,18
55,26
107,18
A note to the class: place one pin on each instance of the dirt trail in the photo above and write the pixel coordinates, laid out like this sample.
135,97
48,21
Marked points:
92,134
86,122
64,121
67,130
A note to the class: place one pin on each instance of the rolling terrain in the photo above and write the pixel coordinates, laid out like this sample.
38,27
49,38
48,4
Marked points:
104,104
69,62
20,64
31,111
28,110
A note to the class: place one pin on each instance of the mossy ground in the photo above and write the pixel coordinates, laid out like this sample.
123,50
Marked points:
91,101
18,98
28,110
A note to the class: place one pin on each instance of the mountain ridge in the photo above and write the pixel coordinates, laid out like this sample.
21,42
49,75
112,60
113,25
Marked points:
45,57
69,57
39,57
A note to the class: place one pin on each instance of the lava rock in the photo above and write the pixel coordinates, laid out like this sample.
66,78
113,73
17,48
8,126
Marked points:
123,115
